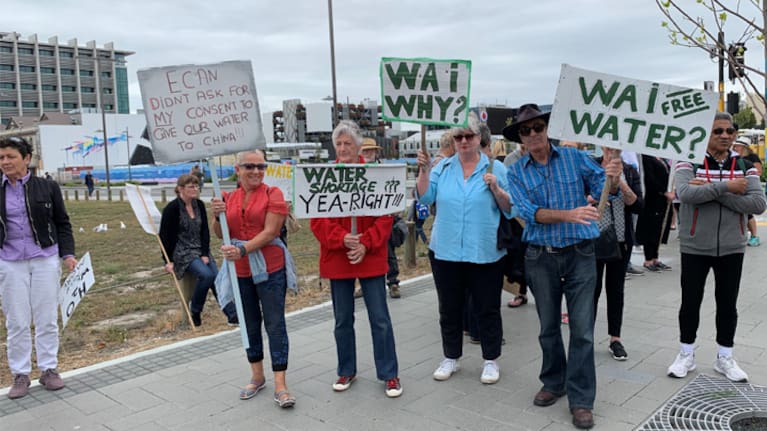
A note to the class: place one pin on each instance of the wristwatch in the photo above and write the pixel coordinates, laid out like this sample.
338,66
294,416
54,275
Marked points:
243,250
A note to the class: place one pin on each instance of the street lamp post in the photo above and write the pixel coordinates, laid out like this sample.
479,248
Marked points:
333,63
106,150
127,144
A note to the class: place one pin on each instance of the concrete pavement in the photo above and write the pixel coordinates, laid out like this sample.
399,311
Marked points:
194,385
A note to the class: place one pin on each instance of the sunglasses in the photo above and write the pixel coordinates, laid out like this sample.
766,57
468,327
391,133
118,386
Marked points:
720,130
468,136
252,166
525,130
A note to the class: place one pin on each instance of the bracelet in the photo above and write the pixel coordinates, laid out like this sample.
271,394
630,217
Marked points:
243,250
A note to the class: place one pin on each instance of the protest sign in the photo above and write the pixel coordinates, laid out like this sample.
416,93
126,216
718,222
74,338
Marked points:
281,176
349,190
425,91
75,287
143,206
647,117
198,111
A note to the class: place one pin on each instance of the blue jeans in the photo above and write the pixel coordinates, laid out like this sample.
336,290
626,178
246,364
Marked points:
206,275
266,301
572,273
374,294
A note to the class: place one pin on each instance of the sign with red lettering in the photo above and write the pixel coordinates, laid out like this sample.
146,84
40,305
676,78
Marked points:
198,111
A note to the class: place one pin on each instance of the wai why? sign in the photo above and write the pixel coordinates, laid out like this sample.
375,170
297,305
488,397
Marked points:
647,117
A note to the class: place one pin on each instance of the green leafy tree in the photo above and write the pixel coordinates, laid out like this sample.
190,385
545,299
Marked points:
698,24
745,119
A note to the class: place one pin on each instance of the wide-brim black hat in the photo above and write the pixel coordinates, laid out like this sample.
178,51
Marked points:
525,113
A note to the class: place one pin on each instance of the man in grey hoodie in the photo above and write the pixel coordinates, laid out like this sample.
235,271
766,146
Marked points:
716,198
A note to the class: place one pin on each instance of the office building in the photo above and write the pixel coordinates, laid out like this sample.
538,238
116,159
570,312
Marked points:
38,77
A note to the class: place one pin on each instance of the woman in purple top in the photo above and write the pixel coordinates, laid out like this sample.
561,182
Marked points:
34,233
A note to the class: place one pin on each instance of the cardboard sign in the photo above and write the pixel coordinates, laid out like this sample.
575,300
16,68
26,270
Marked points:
426,91
281,176
75,287
140,198
349,190
642,116
199,111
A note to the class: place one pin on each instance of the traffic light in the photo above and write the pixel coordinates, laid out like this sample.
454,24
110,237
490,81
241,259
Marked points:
733,102
736,59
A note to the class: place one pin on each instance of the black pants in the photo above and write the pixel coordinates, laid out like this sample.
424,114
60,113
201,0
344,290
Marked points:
484,282
614,281
393,274
727,272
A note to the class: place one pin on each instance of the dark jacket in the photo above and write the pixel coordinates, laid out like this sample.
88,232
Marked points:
656,206
169,227
47,215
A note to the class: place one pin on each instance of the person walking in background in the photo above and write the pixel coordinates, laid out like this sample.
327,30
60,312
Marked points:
255,213
716,197
547,186
618,212
89,183
347,255
35,234
742,146
462,249
418,213
185,235
656,214
197,173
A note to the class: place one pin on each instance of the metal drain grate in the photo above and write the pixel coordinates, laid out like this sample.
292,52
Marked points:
708,403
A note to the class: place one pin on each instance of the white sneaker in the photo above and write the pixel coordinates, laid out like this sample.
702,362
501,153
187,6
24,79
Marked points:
446,369
684,363
727,366
490,373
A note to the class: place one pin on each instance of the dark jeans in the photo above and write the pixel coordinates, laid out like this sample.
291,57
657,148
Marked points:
650,249
572,273
614,281
206,275
266,301
484,283
391,276
374,294
727,272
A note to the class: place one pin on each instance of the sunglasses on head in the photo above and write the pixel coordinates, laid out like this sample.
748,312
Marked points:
252,166
460,137
525,130
720,130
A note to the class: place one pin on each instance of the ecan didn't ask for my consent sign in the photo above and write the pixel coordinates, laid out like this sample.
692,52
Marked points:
647,117
199,111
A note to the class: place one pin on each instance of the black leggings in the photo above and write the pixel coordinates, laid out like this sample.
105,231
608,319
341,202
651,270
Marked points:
614,281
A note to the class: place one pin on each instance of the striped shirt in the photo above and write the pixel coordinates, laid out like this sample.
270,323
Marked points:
557,185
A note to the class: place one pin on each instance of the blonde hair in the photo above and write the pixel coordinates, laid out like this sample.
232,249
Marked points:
499,148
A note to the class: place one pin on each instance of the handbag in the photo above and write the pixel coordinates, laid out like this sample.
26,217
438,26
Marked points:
606,247
505,237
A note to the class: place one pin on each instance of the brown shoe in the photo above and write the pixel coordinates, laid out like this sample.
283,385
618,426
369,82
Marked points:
51,380
394,291
582,418
545,398
20,387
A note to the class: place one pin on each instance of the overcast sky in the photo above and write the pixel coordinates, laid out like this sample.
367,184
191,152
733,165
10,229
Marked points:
516,48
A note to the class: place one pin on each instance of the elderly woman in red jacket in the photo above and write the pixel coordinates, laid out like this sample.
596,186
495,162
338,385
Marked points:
346,256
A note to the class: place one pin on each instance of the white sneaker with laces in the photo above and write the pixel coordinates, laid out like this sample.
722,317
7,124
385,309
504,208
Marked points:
727,366
684,363
446,369
490,373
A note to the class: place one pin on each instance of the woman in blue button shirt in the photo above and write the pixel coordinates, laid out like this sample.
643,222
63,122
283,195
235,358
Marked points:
462,249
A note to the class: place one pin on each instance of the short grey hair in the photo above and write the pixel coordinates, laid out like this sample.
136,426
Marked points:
485,135
241,155
350,129
723,116
472,125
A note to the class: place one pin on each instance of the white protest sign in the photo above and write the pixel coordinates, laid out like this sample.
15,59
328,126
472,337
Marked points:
647,117
140,198
425,91
349,190
198,111
281,176
75,287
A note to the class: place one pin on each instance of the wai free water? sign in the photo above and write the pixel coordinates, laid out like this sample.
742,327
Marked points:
647,117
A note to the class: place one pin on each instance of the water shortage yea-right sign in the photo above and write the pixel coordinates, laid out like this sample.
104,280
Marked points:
426,91
647,117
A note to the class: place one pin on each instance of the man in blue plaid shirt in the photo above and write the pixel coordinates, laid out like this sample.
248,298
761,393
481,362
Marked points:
547,186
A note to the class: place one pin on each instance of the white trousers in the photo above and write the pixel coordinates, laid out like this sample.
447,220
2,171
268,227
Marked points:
29,292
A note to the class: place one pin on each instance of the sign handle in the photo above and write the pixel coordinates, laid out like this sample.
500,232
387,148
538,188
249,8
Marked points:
232,271
603,197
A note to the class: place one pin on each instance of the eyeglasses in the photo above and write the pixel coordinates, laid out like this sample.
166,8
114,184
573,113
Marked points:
525,130
468,136
192,186
252,166
720,130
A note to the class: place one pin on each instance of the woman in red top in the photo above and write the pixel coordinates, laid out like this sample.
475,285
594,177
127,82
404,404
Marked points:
346,256
255,213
